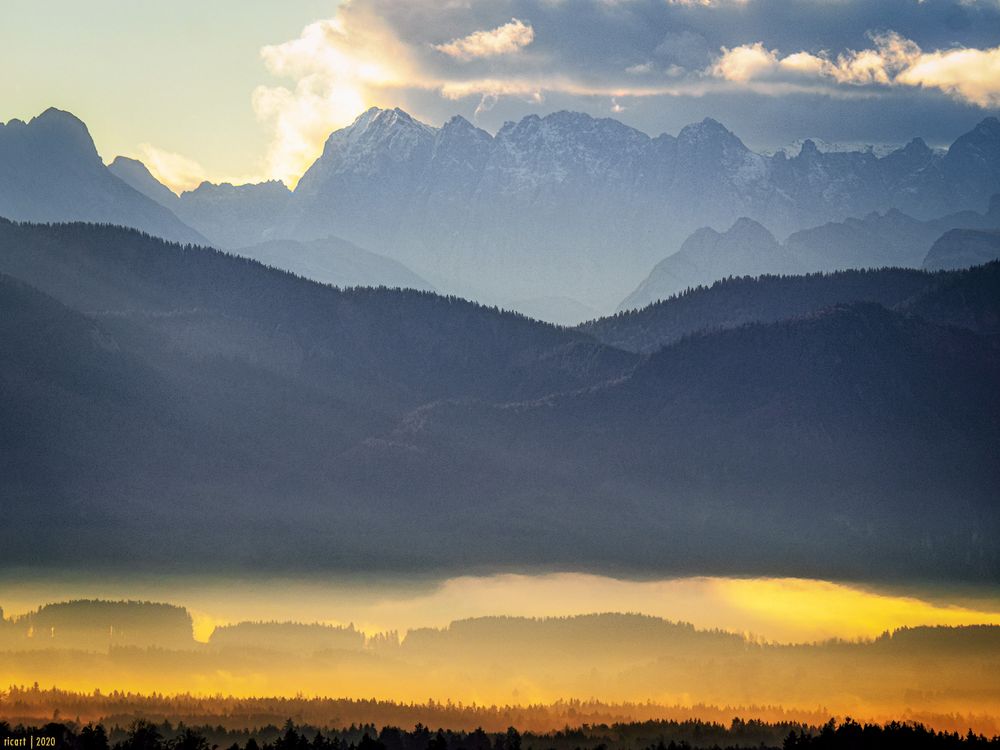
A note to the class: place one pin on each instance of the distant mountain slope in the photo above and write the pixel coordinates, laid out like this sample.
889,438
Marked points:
234,216
878,240
744,249
135,174
738,301
415,341
188,394
967,299
890,239
50,171
228,215
77,410
963,248
205,410
334,261
535,210
238,218
828,445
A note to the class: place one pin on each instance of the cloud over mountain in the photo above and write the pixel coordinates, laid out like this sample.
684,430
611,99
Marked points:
528,53
967,74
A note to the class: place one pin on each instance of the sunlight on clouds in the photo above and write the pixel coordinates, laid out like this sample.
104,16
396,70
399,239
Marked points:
834,610
745,63
784,609
892,55
526,89
970,75
355,60
502,40
180,173
340,66
364,56
534,88
803,63
177,172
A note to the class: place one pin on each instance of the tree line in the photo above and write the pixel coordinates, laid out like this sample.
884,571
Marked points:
143,734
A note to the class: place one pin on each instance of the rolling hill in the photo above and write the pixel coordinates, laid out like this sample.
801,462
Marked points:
183,404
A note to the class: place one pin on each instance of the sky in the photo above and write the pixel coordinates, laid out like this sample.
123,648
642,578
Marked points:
238,90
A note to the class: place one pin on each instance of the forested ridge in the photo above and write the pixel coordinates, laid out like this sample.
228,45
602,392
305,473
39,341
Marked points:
175,400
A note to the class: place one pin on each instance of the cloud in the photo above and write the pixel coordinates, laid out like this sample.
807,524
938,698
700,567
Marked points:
420,55
340,67
639,68
746,62
371,53
177,172
503,40
969,75
685,48
181,173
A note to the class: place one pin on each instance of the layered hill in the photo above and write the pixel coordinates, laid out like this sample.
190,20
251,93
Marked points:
622,659
187,402
185,391
830,438
735,302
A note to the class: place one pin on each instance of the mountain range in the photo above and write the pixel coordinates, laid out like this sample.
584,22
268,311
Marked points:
50,171
555,215
890,239
189,408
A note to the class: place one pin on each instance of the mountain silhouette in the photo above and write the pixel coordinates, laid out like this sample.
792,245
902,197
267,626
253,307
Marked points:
962,248
564,207
50,171
892,239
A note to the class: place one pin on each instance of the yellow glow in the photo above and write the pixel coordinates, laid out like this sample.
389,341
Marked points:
179,173
831,610
777,609
203,624
881,683
340,66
